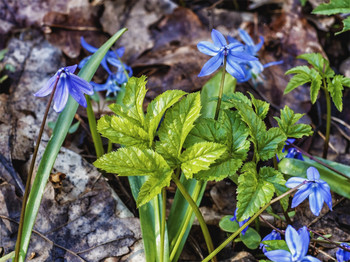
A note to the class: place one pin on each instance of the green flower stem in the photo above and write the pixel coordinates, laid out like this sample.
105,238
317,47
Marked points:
30,174
96,138
198,214
232,237
110,146
7,257
221,90
162,229
328,122
188,216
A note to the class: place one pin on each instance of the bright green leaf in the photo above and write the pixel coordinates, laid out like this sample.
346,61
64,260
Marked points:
121,131
345,81
133,161
333,7
269,143
288,125
296,81
315,86
299,70
178,122
271,175
316,60
261,107
251,238
227,225
199,157
220,170
275,245
253,192
153,186
346,26
157,108
335,88
237,97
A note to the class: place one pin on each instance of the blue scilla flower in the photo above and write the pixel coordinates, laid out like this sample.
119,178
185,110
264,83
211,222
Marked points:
234,53
274,235
252,68
111,86
342,255
68,83
316,189
240,223
298,244
120,75
110,54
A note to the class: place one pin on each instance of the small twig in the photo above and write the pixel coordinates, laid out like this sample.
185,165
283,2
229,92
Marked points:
47,239
270,225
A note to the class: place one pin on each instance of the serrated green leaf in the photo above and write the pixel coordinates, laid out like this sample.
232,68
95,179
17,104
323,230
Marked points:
269,142
121,131
236,97
122,111
316,81
299,70
335,88
133,161
220,170
251,238
157,108
296,81
199,157
346,26
316,60
238,143
178,122
333,7
253,192
288,125
261,107
153,186
275,245
207,130
135,92
271,175
345,81
227,225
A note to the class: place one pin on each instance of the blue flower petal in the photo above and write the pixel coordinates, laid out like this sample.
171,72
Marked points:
294,181
292,239
84,61
47,89
258,46
232,40
246,37
316,201
279,256
312,174
304,240
82,84
208,48
213,64
78,96
86,46
310,259
70,69
273,63
242,57
326,193
302,194
218,39
233,68
343,255
61,95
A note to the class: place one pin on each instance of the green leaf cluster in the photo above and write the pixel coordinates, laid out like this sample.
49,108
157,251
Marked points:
335,7
319,76
153,142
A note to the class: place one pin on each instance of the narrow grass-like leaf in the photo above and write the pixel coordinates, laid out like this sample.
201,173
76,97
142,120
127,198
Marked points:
58,135
287,123
199,157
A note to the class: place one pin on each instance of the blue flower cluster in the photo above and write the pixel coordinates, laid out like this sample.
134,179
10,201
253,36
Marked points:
115,79
241,60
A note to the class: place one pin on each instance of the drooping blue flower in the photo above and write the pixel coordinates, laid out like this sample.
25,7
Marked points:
252,68
68,83
110,54
274,235
235,55
298,244
292,152
111,86
317,190
342,255
240,223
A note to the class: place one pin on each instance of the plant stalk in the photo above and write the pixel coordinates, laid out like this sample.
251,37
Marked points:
162,230
221,90
198,214
30,174
328,123
232,237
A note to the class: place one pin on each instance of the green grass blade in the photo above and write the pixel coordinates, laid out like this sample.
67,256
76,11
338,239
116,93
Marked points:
58,135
